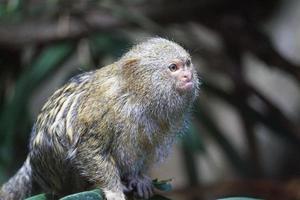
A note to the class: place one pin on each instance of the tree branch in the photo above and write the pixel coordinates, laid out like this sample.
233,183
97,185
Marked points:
67,27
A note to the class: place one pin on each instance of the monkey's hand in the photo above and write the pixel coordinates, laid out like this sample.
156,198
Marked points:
141,186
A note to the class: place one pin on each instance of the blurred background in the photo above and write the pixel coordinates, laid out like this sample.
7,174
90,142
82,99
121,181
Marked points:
245,135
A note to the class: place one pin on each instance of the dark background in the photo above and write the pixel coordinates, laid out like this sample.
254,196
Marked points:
245,136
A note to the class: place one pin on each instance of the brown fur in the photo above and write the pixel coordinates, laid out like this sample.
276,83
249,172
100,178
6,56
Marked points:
106,125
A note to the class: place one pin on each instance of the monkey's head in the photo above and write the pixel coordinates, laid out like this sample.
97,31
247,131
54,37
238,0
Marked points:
161,69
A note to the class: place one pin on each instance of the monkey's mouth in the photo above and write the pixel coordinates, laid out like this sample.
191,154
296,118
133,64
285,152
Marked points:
186,86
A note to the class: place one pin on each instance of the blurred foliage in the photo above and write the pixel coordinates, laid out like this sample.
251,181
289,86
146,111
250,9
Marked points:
10,116
39,38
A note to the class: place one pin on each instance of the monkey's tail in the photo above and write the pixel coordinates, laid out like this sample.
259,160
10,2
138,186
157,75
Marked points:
20,185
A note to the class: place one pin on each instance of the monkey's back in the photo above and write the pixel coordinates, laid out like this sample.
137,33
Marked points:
71,120
52,142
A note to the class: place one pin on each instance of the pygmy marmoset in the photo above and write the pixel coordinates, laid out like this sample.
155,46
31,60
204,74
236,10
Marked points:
104,128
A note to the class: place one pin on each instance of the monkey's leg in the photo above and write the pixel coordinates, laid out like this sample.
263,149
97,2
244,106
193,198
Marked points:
102,171
140,185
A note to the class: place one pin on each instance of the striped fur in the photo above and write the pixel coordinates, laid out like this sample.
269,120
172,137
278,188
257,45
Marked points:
105,125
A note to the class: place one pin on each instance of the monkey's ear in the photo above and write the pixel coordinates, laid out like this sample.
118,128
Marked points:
131,62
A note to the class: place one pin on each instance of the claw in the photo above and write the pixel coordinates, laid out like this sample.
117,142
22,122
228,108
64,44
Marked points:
140,186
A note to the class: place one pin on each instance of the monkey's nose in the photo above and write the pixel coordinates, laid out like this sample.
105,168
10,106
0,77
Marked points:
186,76
186,83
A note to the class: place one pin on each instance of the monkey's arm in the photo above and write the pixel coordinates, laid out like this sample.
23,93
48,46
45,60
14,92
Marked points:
99,168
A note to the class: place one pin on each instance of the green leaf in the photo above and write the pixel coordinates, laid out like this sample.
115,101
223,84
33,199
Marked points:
98,195
238,198
38,197
163,185
89,195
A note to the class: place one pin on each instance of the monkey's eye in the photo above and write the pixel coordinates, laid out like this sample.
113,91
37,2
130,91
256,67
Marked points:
173,67
188,62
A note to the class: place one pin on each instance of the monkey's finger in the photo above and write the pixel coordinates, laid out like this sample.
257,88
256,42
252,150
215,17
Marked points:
145,191
139,190
126,189
151,190
132,184
130,187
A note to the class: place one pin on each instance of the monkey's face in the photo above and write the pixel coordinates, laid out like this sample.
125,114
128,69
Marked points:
164,70
182,73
